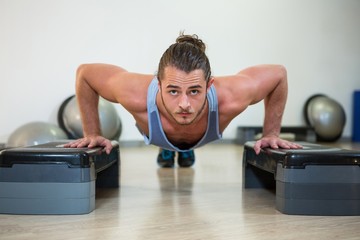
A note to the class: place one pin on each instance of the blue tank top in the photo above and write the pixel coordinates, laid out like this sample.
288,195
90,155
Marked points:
156,133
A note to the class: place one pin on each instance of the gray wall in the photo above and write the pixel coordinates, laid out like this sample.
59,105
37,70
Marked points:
42,43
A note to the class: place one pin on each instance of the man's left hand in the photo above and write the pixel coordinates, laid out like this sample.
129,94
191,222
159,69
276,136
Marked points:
275,143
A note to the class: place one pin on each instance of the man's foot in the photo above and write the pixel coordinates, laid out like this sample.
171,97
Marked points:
165,158
186,159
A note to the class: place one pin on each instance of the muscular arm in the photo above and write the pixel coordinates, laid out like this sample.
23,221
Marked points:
250,86
93,80
271,85
112,83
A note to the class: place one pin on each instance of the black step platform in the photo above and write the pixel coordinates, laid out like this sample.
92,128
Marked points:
51,179
315,180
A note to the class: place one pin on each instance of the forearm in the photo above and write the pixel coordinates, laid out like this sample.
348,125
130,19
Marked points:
272,87
274,107
88,100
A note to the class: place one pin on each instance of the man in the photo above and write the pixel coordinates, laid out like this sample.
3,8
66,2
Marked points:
184,106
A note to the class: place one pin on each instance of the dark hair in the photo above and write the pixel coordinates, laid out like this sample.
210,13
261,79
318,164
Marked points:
187,54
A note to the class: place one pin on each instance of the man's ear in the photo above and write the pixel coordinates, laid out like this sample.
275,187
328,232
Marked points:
209,83
159,85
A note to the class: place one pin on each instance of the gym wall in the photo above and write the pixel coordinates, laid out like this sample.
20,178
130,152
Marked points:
42,43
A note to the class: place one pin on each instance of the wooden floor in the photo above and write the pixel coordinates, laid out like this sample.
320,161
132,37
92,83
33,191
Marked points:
203,202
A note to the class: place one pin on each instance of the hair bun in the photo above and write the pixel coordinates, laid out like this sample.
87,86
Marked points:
191,39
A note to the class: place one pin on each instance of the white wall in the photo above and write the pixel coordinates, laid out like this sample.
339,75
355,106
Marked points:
42,42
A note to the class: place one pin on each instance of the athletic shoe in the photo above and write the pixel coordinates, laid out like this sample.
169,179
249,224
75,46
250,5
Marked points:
186,159
165,158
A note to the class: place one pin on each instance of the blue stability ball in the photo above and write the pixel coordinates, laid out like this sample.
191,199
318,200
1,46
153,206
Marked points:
69,119
35,133
327,117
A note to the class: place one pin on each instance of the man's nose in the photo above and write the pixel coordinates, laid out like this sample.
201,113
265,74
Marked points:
184,102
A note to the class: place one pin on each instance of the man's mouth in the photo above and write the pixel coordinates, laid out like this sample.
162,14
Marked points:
184,113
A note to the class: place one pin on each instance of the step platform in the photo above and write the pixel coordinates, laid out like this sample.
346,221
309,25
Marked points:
51,179
315,180
295,133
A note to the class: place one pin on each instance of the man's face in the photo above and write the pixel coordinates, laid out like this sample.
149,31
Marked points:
183,94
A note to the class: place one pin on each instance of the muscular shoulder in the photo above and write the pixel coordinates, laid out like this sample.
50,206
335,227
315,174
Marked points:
116,84
130,90
249,86
232,93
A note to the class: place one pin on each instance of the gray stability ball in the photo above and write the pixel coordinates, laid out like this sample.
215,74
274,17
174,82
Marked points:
35,133
69,119
327,117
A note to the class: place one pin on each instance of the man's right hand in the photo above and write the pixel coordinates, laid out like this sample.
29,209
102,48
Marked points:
91,142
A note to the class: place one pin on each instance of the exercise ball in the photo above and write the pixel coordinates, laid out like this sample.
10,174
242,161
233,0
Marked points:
35,133
326,116
69,119
306,106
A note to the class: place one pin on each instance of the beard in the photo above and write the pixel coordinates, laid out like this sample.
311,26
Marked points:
191,112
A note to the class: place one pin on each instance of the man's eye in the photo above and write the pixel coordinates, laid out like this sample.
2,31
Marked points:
173,92
194,92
